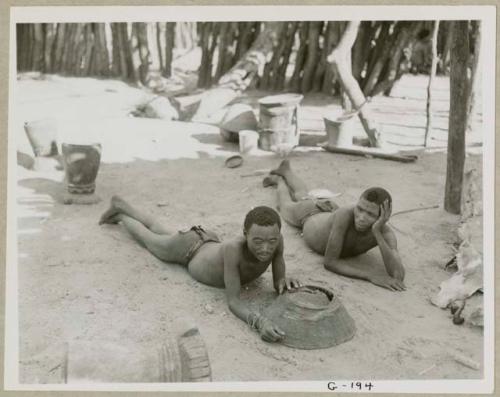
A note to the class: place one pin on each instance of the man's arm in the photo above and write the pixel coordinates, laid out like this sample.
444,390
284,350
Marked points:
341,220
388,245
280,281
239,308
334,248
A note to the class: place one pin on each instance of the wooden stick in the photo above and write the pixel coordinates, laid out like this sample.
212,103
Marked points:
415,209
367,152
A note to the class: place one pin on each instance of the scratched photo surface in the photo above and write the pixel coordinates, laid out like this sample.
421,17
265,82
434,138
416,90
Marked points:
139,147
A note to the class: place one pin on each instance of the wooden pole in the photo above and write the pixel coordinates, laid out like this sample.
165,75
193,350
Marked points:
476,62
300,57
312,56
428,108
169,48
459,100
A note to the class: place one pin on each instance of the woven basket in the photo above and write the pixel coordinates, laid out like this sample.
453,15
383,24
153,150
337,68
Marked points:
312,317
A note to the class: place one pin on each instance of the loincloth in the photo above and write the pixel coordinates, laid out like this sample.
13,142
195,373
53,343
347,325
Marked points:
193,239
316,206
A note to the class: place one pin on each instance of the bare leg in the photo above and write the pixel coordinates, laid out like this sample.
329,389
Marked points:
120,206
290,210
298,188
157,244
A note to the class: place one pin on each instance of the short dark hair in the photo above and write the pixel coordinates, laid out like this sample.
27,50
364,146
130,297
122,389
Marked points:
377,195
262,216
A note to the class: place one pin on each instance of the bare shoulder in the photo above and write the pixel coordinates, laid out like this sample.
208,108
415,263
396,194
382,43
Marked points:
234,244
344,214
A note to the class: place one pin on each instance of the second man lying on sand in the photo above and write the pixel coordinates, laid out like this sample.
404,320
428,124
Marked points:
342,232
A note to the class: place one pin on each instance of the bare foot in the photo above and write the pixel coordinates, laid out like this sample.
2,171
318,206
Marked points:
270,180
117,206
120,204
110,216
283,168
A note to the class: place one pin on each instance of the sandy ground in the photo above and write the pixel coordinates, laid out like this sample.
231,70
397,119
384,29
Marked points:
80,281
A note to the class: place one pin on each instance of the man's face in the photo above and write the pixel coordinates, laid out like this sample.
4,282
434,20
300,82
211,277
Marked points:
365,214
262,241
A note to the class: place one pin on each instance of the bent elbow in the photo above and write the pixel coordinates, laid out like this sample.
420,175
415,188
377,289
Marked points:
331,266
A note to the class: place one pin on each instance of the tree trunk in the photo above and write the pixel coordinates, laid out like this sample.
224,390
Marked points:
476,62
159,48
117,63
311,57
393,72
340,60
244,32
279,81
270,69
79,43
432,74
58,47
123,51
380,33
239,77
300,58
141,34
222,46
445,56
48,32
361,49
334,32
89,47
459,100
39,50
381,52
204,73
169,48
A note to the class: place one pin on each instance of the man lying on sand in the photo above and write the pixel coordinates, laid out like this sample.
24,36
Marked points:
341,232
226,264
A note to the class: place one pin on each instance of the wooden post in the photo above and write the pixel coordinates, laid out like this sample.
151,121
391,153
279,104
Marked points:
159,47
169,47
432,73
459,100
312,56
300,57
476,62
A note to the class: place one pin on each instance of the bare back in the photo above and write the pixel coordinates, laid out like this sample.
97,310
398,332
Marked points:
317,228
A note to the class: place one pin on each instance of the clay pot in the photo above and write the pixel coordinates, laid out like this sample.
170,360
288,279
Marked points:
312,317
81,164
278,120
42,135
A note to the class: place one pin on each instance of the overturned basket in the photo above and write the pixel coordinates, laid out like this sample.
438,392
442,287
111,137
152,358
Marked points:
312,317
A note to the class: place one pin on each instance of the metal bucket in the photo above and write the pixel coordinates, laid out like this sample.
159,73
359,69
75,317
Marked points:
81,164
42,135
248,141
278,120
339,129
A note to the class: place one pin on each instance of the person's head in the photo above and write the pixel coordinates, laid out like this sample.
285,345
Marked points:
262,229
367,209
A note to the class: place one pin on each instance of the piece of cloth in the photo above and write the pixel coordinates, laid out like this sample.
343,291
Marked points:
192,239
316,206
